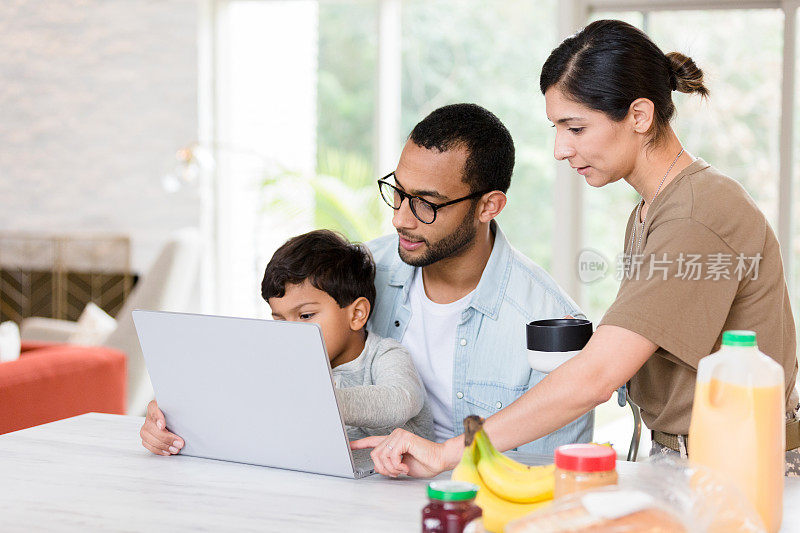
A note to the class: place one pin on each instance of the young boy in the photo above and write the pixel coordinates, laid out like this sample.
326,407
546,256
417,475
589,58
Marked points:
322,278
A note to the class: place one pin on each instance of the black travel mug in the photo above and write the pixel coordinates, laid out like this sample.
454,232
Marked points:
552,342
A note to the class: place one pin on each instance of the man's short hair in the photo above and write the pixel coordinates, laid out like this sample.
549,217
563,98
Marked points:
327,260
490,159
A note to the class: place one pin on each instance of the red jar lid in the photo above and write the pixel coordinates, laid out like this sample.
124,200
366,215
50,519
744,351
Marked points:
585,458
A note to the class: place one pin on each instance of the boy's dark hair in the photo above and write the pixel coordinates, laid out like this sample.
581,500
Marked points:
328,261
490,159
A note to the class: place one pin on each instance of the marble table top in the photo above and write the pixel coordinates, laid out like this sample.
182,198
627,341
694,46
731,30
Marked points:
91,473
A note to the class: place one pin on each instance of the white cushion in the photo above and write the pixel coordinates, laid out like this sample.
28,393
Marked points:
94,326
10,342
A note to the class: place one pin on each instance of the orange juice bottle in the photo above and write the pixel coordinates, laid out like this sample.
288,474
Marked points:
738,425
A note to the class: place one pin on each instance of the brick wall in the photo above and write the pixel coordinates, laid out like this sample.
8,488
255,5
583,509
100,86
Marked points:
95,97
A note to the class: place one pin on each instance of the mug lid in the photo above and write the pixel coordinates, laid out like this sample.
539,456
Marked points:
558,334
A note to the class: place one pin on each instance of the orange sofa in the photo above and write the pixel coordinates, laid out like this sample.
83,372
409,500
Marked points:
54,381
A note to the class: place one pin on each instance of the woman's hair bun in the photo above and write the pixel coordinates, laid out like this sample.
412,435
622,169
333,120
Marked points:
686,76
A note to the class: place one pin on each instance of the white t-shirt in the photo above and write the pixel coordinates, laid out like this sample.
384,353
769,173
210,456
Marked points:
430,337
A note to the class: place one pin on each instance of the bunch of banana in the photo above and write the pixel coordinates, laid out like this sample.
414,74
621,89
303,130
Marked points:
507,490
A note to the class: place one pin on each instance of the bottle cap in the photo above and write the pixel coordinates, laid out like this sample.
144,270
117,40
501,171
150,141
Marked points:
452,491
585,458
739,338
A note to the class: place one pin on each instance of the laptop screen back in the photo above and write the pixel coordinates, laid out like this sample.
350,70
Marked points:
246,390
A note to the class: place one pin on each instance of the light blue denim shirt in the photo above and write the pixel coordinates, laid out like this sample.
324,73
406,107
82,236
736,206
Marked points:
490,368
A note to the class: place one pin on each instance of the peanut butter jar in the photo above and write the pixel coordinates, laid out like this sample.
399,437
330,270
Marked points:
583,466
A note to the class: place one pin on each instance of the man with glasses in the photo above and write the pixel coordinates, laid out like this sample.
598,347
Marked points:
449,285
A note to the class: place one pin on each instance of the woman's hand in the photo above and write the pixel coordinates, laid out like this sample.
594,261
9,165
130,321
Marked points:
402,452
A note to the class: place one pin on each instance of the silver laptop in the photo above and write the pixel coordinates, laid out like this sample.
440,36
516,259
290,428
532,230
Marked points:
248,390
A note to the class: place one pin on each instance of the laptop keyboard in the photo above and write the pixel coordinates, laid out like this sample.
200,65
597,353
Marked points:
362,460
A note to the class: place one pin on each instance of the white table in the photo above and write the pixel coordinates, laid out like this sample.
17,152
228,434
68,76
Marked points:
91,473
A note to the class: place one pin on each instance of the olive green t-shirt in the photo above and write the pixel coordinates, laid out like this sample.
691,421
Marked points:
708,262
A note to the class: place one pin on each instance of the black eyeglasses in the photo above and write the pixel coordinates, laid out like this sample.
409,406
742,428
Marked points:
424,210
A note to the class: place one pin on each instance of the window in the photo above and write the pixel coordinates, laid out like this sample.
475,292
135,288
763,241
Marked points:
295,109
297,140
265,124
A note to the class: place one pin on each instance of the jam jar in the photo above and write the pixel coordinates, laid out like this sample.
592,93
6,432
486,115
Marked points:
451,508
584,466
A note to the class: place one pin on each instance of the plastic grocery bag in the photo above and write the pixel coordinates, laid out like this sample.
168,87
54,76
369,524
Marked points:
666,495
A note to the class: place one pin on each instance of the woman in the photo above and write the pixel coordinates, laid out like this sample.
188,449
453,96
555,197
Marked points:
608,94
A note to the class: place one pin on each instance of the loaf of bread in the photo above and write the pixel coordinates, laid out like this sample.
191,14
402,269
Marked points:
575,518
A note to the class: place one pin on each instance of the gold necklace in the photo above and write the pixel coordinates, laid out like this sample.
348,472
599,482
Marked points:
641,202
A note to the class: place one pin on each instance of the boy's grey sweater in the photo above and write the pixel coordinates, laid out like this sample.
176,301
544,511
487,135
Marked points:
381,390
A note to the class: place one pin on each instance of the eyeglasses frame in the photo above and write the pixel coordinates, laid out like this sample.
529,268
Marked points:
435,207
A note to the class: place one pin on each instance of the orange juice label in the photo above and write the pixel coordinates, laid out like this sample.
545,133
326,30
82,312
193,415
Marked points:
739,432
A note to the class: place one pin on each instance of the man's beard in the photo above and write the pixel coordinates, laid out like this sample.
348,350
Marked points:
450,246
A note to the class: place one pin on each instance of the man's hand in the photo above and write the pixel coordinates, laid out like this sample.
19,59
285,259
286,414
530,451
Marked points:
402,452
155,436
